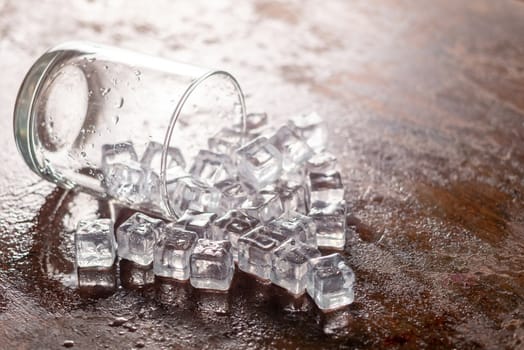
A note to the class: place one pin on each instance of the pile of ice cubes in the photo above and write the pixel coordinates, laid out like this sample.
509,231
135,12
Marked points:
265,199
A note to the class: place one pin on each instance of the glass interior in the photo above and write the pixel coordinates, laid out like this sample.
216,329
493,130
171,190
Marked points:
78,97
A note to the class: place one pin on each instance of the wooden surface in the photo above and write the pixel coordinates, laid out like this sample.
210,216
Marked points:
425,100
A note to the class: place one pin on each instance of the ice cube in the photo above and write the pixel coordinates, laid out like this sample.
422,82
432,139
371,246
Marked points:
226,141
325,187
255,250
294,198
296,225
259,162
330,282
136,238
295,151
293,177
234,224
96,281
152,157
312,128
135,276
118,153
172,252
233,194
330,221
212,168
212,265
264,206
198,222
255,121
95,243
190,193
290,265
322,163
128,182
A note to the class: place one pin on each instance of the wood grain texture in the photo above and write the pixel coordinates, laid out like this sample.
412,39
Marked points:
425,100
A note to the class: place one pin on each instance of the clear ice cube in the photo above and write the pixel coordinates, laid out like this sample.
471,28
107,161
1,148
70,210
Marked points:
330,282
234,224
255,250
212,168
95,243
172,252
295,151
199,222
259,162
96,281
135,276
128,182
152,157
294,198
136,238
118,153
312,128
226,141
264,206
297,226
212,265
190,193
290,265
233,194
330,221
322,163
325,187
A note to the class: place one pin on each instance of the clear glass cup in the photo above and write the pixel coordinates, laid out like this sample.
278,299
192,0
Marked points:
78,97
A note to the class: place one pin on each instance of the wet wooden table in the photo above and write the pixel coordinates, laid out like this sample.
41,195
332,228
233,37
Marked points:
425,100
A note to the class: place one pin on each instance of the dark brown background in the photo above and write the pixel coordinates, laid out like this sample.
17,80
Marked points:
425,100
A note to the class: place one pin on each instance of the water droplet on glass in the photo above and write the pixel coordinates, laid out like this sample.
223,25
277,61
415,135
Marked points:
120,103
116,119
105,91
83,154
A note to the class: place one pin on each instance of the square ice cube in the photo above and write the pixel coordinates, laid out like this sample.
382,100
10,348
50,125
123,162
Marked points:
135,276
127,182
226,141
259,162
255,121
212,265
212,168
330,221
255,250
295,151
118,153
152,157
95,243
290,265
136,238
233,194
296,225
199,222
325,187
264,206
96,281
322,163
234,224
172,252
312,128
330,282
294,198
190,193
